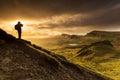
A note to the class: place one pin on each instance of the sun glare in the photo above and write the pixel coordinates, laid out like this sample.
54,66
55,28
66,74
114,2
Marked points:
24,22
16,21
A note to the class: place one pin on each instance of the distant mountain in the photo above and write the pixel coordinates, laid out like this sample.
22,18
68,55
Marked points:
71,36
20,60
104,34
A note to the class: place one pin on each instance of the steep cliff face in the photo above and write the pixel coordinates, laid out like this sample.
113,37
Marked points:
20,60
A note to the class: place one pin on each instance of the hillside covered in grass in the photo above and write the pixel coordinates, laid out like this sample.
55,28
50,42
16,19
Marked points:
97,50
20,60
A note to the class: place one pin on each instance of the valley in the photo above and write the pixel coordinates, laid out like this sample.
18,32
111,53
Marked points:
98,51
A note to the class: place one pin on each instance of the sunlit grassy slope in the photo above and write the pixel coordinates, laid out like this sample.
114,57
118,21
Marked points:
98,51
101,57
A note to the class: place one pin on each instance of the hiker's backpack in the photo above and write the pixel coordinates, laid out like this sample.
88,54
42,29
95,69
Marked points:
16,28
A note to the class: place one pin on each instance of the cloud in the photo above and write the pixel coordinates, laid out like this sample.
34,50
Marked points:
43,8
63,14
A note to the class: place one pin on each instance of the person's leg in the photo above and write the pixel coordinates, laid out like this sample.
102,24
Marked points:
19,33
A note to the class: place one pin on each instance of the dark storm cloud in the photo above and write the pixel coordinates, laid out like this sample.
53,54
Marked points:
106,17
97,12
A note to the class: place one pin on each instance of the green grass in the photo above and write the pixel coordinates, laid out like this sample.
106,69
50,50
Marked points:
110,68
68,53
104,59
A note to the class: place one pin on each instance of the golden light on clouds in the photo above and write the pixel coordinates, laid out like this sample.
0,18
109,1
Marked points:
30,28
51,26
60,16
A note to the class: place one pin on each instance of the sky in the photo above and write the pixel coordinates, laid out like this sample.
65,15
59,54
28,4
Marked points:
44,18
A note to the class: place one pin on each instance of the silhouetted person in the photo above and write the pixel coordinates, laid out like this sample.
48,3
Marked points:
19,29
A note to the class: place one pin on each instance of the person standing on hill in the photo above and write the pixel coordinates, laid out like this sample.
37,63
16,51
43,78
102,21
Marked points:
19,29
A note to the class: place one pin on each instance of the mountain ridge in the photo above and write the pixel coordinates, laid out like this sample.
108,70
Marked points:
103,33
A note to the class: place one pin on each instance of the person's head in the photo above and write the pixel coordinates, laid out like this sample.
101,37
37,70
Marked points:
19,22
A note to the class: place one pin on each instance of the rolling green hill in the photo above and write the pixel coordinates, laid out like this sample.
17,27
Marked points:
100,57
97,50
